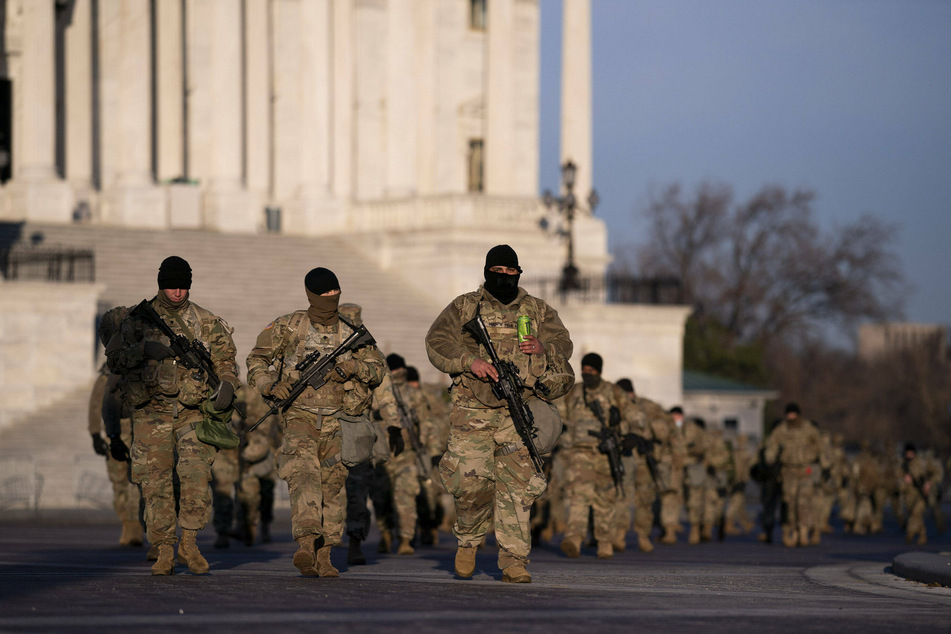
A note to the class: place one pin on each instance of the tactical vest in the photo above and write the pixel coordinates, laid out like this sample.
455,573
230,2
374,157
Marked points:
301,338
582,419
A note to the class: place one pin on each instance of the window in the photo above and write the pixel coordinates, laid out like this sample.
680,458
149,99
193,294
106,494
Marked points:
475,165
477,15
731,424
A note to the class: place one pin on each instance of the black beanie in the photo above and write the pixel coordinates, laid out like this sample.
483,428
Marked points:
174,272
502,255
626,385
793,408
594,360
412,374
395,362
320,281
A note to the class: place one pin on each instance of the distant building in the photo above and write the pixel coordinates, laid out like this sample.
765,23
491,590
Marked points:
734,407
876,340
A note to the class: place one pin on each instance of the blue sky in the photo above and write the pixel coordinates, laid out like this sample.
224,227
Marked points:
849,98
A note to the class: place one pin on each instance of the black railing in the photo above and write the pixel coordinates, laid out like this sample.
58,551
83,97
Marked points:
33,264
606,289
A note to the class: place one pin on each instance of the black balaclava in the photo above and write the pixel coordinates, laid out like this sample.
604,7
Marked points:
502,286
174,272
323,308
592,359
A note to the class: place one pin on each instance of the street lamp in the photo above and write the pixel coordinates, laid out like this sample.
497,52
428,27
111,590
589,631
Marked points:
567,205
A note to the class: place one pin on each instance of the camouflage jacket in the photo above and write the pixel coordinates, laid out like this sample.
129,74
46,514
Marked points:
452,351
796,443
142,379
416,404
581,421
290,338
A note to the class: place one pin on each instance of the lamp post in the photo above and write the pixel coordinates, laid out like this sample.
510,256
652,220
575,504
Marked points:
567,204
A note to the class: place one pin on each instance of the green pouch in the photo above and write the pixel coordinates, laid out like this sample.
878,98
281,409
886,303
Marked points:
213,427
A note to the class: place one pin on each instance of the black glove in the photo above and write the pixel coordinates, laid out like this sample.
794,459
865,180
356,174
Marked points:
435,460
118,450
629,443
397,444
99,445
156,350
223,396
711,471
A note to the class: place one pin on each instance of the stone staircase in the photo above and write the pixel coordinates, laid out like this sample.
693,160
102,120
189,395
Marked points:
247,280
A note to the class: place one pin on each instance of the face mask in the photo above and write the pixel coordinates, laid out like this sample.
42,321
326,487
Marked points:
502,286
591,381
168,304
679,422
323,308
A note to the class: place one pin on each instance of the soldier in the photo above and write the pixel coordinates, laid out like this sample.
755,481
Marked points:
866,479
699,490
125,494
168,400
487,466
771,490
672,461
738,472
434,435
919,478
598,416
796,445
311,459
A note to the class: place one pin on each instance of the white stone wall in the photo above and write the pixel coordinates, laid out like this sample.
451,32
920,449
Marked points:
47,343
717,407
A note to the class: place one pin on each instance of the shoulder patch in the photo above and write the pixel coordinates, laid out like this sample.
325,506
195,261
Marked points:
269,326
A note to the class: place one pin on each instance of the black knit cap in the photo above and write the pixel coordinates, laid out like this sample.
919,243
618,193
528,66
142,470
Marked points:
174,272
395,362
502,255
626,385
320,281
793,408
594,360
412,374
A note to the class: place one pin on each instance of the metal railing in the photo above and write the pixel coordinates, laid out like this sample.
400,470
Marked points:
607,289
49,264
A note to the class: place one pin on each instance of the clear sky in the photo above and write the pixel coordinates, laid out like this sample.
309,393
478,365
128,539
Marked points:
849,98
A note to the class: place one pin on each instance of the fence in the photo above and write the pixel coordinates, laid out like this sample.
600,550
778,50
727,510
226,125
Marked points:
607,289
34,264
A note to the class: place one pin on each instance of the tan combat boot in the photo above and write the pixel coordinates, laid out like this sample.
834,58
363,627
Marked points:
465,561
789,537
164,560
250,534
517,573
571,546
816,537
304,557
131,534
707,533
153,553
620,543
644,543
922,538
605,550
324,567
694,537
405,548
670,535
188,552
385,543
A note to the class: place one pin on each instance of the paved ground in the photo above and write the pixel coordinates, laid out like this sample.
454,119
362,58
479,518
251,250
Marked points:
65,573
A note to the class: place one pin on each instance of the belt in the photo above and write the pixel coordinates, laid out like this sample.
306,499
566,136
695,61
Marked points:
182,431
329,462
505,450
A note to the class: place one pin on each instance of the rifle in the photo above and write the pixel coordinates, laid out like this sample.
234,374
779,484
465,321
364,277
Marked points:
191,353
314,370
509,389
608,442
410,422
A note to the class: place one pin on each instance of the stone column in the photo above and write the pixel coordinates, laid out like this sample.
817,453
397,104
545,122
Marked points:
216,113
170,93
257,98
499,98
343,100
527,71
314,211
576,92
426,97
401,95
370,21
35,192
130,196
285,42
79,103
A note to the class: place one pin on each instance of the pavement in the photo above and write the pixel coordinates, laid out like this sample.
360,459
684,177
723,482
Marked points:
64,572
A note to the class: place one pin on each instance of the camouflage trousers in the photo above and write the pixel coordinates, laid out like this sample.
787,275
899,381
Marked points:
704,505
798,497
162,430
125,493
404,480
915,507
310,464
590,485
863,514
639,491
735,511
670,492
487,470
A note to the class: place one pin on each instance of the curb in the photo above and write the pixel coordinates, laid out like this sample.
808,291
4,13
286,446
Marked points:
930,568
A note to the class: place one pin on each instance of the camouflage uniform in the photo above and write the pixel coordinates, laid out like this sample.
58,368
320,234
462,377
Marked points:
589,480
920,476
797,446
310,461
487,468
166,397
717,486
434,435
125,494
841,479
738,472
866,479
699,489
